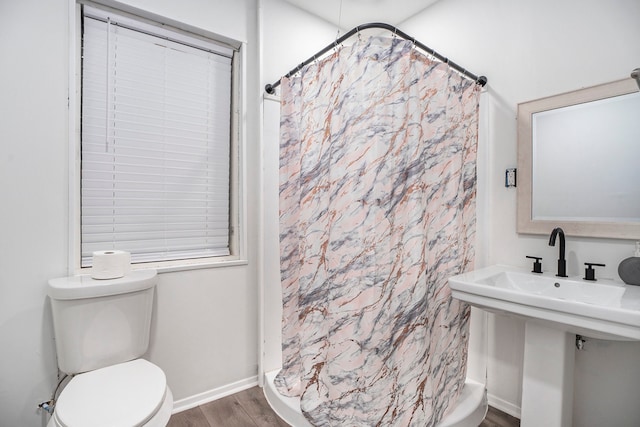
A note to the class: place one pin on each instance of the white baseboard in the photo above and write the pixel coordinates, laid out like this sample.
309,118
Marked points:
238,386
214,394
503,405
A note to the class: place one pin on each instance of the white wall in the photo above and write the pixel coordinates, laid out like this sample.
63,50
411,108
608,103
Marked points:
205,333
528,50
33,188
289,36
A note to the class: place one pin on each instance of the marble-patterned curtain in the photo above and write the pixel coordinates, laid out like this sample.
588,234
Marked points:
377,210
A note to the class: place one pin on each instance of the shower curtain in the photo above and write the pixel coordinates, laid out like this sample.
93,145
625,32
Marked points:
377,210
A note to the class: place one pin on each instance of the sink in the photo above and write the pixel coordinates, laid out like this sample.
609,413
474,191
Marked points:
554,310
609,295
603,309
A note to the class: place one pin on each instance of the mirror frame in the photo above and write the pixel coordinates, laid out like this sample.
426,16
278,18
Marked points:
525,222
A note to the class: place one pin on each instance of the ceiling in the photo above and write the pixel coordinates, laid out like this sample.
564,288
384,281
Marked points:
348,14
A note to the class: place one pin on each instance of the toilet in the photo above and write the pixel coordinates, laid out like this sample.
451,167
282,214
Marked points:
101,330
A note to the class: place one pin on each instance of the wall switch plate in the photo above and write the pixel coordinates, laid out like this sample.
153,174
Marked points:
510,178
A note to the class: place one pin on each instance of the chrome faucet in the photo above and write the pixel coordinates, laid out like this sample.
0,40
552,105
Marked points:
562,263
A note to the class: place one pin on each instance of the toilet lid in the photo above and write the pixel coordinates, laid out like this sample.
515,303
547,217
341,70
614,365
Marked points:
127,394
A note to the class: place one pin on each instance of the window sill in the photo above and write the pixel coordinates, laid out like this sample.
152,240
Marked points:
181,265
185,265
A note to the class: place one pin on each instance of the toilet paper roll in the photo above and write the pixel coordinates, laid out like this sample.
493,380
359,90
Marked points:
110,264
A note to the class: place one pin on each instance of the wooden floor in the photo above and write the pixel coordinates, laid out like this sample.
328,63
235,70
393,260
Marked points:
249,408
496,418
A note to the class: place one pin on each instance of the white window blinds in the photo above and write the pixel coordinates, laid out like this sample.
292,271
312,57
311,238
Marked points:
155,142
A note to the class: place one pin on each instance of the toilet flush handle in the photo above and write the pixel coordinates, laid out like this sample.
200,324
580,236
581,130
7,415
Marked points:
47,406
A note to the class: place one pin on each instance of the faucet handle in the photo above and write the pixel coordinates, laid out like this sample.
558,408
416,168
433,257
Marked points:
537,265
590,272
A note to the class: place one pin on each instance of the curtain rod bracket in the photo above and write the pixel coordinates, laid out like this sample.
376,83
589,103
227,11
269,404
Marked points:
269,89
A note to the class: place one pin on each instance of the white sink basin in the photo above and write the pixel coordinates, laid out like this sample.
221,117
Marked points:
604,309
554,287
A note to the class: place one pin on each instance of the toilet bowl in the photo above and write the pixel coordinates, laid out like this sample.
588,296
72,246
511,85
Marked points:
102,329
132,394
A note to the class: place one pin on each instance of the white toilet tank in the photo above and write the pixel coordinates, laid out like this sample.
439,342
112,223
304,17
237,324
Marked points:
99,323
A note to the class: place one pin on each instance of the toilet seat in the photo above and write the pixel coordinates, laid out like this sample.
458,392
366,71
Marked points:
127,394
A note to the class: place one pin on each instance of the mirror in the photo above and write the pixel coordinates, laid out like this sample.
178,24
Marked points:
579,162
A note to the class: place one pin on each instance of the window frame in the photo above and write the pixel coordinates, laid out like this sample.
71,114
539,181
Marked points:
237,190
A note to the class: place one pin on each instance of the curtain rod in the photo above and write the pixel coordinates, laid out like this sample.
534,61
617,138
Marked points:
482,80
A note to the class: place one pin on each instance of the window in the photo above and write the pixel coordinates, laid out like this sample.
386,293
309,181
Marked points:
156,144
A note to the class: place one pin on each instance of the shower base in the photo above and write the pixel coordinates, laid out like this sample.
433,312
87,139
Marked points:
469,412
